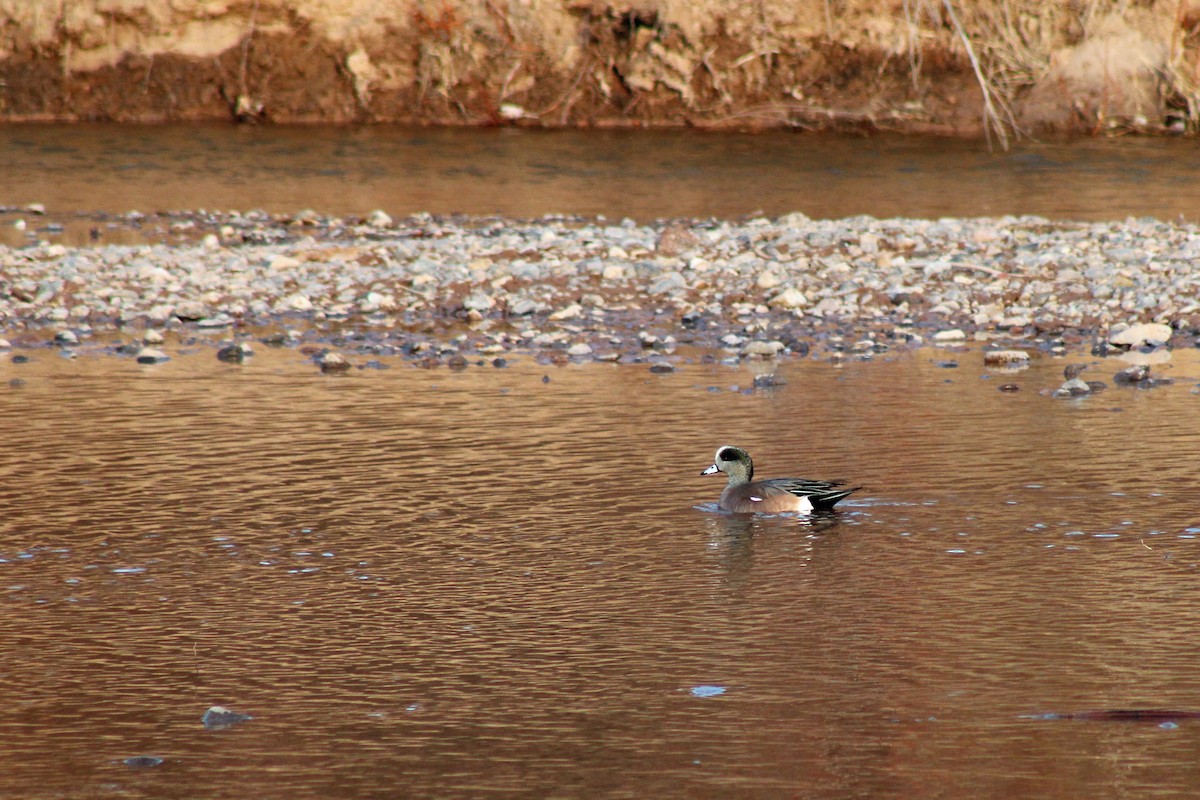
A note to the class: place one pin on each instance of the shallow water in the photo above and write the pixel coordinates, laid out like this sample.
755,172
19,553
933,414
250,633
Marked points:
645,175
433,583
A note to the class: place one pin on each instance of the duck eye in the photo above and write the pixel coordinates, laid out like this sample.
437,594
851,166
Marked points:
728,454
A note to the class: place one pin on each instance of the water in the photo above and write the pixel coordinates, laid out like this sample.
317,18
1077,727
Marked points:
459,584
645,175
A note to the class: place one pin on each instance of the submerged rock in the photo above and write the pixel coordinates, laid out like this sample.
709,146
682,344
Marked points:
333,363
234,353
151,355
222,717
1132,375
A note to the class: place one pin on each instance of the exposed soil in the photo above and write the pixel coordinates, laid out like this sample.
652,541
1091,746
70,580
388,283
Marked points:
920,66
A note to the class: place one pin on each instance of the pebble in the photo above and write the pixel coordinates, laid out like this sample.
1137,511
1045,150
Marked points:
333,363
150,355
234,353
1006,358
585,282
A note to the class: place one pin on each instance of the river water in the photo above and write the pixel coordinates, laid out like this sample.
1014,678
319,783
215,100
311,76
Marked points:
644,175
514,582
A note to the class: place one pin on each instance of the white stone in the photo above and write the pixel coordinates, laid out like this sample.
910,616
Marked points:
379,219
1140,334
952,335
613,272
281,262
760,348
789,298
1006,358
767,280
570,312
478,301
581,349
298,302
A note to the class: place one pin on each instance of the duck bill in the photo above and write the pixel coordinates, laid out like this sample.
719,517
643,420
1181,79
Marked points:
711,470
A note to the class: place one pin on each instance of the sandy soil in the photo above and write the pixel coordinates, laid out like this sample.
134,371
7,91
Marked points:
910,65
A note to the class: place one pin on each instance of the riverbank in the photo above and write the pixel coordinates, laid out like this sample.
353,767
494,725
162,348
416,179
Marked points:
971,69
449,290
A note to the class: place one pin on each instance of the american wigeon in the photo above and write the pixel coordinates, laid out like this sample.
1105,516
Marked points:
743,495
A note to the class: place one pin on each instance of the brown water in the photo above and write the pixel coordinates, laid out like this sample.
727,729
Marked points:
640,174
459,584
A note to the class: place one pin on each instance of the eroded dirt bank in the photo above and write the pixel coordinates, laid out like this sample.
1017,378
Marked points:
913,65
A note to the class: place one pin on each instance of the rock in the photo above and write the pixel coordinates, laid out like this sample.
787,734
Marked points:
379,219
297,302
570,312
191,310
150,355
1074,386
66,338
1153,334
457,362
282,263
1006,358
768,381
767,280
222,717
478,301
219,321
143,762
614,272
761,349
333,363
234,353
152,336
581,349
1131,375
789,298
953,335
521,306
661,369
668,282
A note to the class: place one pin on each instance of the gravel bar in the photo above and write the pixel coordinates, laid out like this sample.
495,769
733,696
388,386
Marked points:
443,289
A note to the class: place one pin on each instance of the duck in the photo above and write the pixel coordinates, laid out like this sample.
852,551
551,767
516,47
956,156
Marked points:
744,495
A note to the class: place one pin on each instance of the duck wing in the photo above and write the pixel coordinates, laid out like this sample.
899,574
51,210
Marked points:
822,494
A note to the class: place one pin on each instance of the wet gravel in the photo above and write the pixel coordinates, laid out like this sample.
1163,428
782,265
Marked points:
461,291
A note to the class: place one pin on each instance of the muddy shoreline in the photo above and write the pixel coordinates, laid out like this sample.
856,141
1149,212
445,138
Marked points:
460,291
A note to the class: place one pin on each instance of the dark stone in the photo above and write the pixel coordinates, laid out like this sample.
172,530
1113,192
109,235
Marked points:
232,354
661,368
1132,375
